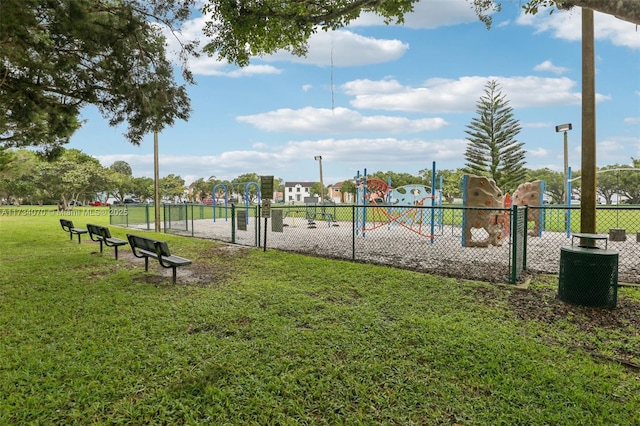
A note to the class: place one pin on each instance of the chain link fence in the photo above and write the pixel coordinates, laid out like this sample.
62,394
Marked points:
423,238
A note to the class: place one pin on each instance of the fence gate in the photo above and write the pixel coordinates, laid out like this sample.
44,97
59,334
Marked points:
518,241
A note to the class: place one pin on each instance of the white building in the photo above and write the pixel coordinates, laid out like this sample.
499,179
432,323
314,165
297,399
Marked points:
295,192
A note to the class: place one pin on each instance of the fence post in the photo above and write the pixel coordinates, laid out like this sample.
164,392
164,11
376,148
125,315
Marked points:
353,232
524,237
256,239
146,215
514,244
233,223
192,223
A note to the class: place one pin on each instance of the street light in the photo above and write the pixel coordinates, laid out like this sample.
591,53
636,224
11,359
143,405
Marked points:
318,158
565,128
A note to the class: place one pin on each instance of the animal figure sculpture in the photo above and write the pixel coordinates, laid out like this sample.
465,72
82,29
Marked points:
483,192
530,194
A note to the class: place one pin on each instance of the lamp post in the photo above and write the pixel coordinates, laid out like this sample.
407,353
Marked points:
565,128
318,158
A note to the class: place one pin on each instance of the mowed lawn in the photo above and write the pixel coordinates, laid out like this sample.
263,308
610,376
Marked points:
249,337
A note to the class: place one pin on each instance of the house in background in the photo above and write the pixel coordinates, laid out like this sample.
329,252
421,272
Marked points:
295,192
335,194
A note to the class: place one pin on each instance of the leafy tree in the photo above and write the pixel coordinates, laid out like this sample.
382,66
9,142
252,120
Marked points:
6,157
315,191
553,182
608,182
121,167
72,176
203,189
493,150
120,185
58,56
278,186
397,179
239,30
451,182
143,188
16,176
197,190
348,187
245,178
220,191
172,187
630,182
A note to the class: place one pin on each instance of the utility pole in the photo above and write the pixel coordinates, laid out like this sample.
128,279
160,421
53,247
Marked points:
588,193
156,182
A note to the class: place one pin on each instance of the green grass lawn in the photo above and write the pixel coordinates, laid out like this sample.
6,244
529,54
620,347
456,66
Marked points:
263,338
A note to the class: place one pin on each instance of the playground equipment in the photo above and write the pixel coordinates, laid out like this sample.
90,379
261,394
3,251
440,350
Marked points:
482,192
531,194
392,206
224,187
326,212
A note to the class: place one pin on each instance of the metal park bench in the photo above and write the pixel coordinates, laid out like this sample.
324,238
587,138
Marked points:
67,226
146,248
102,235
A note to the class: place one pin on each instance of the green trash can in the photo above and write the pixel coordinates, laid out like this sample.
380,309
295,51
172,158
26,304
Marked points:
588,276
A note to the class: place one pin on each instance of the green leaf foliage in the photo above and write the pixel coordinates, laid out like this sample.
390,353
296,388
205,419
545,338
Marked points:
58,56
493,150
239,30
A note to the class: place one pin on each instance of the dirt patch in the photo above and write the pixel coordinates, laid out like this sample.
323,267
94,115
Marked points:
209,268
615,329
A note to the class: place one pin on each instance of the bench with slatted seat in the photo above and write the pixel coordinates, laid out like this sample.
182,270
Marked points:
67,226
146,248
102,235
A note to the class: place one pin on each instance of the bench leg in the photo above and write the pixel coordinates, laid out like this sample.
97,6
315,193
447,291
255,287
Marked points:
70,235
78,238
116,248
174,274
146,264
100,246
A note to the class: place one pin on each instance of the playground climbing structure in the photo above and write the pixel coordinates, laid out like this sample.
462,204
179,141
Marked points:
405,206
483,193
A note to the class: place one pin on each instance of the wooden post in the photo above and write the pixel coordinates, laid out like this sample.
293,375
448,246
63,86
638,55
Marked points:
588,193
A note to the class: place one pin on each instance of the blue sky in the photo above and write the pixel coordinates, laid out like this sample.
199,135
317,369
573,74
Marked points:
393,98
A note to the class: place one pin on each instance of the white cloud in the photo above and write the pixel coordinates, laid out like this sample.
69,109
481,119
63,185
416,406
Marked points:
428,14
548,66
567,25
609,147
632,120
209,66
461,95
336,121
339,156
537,125
324,48
538,153
344,48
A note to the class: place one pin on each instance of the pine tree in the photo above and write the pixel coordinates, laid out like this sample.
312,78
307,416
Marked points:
493,150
